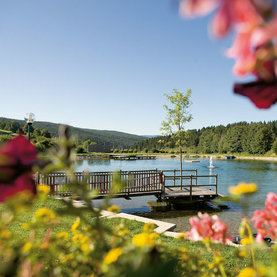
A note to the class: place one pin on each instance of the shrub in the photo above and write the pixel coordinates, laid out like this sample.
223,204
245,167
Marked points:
80,149
274,147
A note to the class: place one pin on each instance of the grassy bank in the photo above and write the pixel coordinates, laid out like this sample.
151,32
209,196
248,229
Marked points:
229,253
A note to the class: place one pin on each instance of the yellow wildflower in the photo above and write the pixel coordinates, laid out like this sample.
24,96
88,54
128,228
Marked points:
242,254
87,228
140,239
247,272
112,255
62,235
243,188
184,255
114,209
78,238
181,235
66,258
26,247
85,247
123,233
183,250
153,236
246,240
5,234
43,189
44,215
145,239
75,225
148,227
26,226
44,245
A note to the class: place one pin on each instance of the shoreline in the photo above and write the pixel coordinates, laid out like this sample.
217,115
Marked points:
100,156
218,157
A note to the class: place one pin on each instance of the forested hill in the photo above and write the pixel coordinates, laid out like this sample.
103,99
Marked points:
242,137
101,137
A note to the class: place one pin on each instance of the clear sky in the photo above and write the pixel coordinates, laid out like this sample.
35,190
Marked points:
106,64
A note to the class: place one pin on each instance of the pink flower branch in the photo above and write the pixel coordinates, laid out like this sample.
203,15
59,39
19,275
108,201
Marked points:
254,48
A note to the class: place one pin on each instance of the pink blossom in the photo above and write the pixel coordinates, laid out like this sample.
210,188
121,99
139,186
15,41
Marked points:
207,227
197,7
265,221
260,36
222,21
255,25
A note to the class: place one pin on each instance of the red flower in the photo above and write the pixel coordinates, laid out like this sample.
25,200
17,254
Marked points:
17,157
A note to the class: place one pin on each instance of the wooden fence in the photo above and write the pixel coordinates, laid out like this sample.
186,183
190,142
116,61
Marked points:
136,182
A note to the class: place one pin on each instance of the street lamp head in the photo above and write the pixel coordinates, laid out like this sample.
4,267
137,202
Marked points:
30,118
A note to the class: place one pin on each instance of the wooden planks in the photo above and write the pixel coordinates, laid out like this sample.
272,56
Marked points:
176,192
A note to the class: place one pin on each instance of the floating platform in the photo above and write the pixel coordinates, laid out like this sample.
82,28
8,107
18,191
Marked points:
229,157
191,161
132,157
189,193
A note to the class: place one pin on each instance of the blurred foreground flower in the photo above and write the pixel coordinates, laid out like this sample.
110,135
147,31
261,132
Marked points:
207,227
17,158
112,255
254,48
243,188
265,221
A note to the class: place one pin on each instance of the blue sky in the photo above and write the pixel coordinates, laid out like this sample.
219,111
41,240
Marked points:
106,64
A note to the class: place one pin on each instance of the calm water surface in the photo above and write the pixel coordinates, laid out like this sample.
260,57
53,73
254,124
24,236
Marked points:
230,172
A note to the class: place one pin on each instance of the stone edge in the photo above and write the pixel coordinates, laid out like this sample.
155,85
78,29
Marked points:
164,228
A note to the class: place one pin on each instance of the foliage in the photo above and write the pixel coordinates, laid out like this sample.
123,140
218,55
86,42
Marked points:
242,137
57,245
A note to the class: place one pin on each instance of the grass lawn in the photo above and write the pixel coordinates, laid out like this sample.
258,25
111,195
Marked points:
229,253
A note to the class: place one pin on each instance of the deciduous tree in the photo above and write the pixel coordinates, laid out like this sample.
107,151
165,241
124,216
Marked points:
177,116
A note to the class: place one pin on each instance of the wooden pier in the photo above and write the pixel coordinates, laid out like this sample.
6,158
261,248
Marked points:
132,157
164,184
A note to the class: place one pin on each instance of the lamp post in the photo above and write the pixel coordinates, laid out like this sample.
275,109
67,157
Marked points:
30,118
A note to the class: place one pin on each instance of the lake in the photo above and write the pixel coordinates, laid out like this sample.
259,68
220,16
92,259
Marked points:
230,172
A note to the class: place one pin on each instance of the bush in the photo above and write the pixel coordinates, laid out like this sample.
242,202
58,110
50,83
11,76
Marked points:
80,149
154,150
274,147
145,150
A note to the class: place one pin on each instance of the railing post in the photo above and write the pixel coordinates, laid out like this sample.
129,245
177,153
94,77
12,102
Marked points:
216,184
163,183
174,177
190,188
196,183
181,178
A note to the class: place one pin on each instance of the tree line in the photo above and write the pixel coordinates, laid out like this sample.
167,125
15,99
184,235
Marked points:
242,137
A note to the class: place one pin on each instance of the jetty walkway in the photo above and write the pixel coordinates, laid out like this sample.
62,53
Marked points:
166,185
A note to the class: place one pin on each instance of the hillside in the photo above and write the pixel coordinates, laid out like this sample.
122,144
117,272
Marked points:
101,137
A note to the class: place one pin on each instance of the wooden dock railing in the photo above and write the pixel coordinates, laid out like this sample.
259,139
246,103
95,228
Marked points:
137,183
171,175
